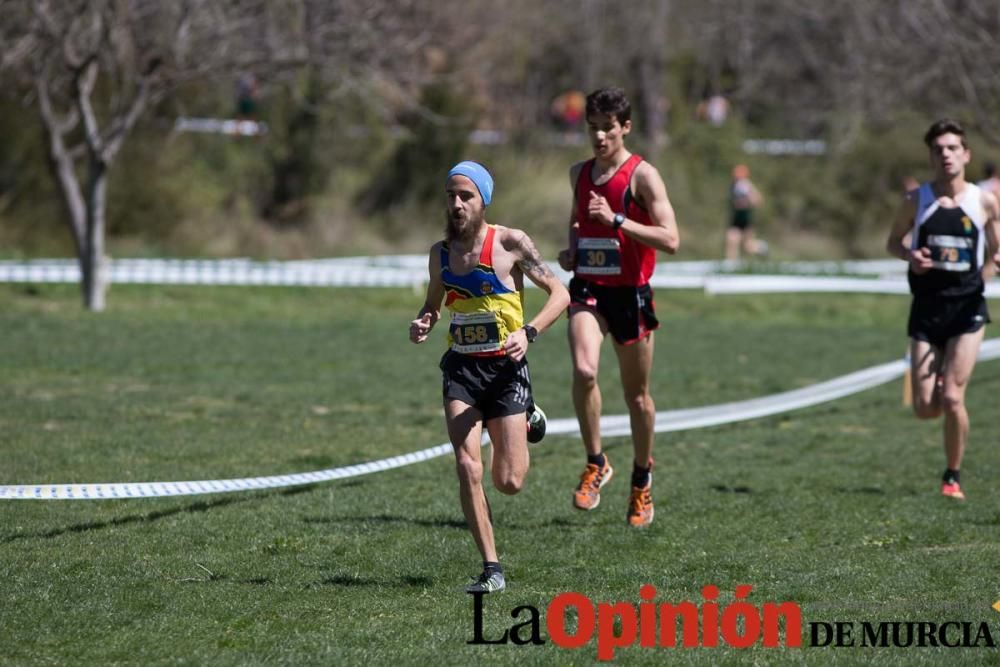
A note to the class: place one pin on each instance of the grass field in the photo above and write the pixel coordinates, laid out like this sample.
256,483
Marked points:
833,507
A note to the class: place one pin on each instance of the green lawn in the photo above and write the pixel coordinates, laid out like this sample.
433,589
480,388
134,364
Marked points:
833,507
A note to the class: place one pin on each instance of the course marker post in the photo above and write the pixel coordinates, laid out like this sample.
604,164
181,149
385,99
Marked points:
907,381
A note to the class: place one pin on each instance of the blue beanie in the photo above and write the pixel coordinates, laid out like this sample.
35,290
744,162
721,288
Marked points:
478,174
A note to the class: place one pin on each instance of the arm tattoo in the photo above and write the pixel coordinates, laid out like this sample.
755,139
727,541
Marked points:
531,262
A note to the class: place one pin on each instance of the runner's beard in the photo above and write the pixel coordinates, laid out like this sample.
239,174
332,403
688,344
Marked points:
463,229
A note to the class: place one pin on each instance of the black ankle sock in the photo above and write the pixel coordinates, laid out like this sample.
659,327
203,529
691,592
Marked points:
951,476
597,459
640,476
490,567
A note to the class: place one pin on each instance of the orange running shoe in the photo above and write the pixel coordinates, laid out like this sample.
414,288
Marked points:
640,506
588,494
952,490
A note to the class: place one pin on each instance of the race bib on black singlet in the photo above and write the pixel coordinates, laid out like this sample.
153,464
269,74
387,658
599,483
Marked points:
599,257
475,332
950,253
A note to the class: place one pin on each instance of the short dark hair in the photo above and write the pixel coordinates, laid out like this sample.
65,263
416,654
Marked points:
944,126
610,102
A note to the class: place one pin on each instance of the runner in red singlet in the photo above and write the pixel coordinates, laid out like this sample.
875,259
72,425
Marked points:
621,216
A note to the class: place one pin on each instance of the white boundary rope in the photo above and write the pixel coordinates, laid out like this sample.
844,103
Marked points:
616,425
411,271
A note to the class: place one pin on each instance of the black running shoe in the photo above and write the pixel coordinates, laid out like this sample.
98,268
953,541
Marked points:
536,425
487,583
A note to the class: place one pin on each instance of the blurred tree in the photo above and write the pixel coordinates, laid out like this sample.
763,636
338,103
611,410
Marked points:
372,50
94,67
437,133
297,168
842,71
834,67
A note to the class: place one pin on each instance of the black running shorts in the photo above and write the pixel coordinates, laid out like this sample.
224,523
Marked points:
629,311
742,218
496,386
936,320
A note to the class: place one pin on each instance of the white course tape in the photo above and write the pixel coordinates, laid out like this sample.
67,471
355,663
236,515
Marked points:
612,425
161,489
232,126
780,284
219,272
411,270
788,284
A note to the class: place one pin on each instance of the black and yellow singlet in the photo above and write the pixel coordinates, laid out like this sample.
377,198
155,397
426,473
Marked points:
484,311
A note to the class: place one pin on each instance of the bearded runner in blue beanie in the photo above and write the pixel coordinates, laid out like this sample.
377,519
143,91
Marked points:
479,176
478,272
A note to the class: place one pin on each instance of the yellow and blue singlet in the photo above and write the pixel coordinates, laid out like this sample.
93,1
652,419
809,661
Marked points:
484,311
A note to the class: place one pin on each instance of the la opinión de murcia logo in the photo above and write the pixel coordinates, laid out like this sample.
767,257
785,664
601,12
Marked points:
572,621
901,634
619,624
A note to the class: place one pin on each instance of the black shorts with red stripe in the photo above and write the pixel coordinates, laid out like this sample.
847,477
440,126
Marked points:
629,311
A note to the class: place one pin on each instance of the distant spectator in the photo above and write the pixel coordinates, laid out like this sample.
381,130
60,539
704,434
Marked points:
246,97
715,110
744,198
567,109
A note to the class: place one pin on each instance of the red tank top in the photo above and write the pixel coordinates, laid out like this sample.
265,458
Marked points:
604,255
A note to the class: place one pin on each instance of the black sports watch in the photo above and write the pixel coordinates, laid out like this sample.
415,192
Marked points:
530,332
618,221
